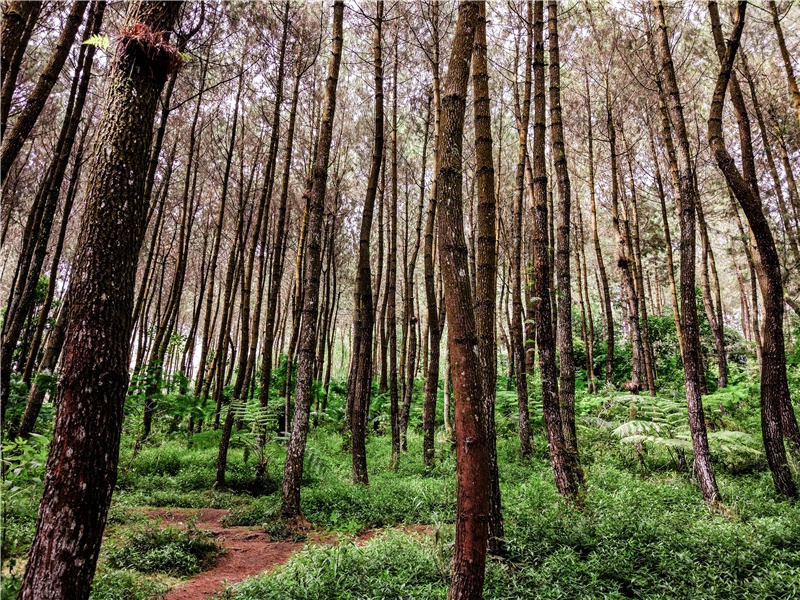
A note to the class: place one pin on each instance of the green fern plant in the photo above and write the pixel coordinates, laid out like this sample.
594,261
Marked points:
660,426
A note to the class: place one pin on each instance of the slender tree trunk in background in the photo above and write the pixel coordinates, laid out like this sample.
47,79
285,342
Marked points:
775,398
293,469
583,292
247,357
82,466
689,326
364,314
22,298
410,269
486,272
566,376
601,268
434,325
297,304
625,260
391,280
49,361
471,455
717,326
676,315
787,59
792,232
634,250
276,269
44,313
522,110
19,20
565,467
205,373
23,125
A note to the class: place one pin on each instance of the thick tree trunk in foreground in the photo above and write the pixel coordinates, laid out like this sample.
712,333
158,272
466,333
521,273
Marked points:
689,326
774,384
293,469
82,467
471,456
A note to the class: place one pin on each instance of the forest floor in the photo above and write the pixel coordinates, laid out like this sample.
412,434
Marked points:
246,551
644,531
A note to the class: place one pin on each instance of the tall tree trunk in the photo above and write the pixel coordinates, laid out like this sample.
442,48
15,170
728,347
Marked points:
471,455
522,109
276,269
689,326
486,272
566,376
391,278
774,385
565,467
364,314
293,469
429,261
82,466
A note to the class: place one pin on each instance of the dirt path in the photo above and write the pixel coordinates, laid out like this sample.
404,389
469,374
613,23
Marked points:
248,550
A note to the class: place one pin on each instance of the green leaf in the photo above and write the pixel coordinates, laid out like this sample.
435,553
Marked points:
99,41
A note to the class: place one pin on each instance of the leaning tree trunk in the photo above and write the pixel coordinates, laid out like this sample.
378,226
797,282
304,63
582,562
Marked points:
774,383
787,59
14,138
293,469
82,467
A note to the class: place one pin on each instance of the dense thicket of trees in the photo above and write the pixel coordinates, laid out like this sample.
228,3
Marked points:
230,200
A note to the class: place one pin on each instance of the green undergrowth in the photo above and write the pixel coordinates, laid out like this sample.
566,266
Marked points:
636,538
644,533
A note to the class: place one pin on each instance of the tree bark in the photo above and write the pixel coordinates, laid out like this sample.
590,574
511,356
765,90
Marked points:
82,467
471,455
689,326
293,469
774,385
566,378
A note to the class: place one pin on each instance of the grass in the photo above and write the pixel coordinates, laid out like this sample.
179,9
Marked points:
644,532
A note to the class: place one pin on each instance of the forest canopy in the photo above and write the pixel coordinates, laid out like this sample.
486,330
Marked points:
419,299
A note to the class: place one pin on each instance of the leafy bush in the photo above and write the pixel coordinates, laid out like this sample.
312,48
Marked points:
169,550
